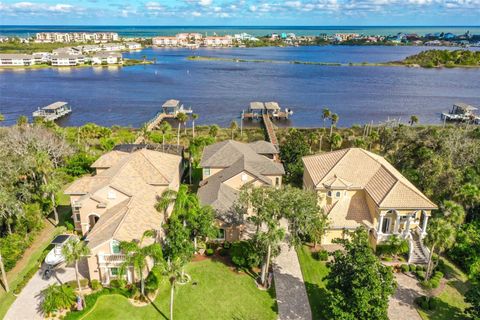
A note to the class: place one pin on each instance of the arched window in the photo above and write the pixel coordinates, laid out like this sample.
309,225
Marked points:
338,194
329,193
115,246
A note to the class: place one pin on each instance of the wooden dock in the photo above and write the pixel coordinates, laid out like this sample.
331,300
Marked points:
272,137
53,111
152,124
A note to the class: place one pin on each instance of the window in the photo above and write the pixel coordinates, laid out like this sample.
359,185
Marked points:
115,246
206,172
77,216
386,225
114,272
111,195
329,193
221,234
337,195
277,181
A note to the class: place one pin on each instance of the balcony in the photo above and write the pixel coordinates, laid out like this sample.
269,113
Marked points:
111,258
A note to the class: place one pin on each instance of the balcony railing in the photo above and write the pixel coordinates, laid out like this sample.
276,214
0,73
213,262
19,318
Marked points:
111,258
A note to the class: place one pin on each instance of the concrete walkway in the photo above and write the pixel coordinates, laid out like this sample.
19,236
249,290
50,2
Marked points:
27,304
290,289
402,305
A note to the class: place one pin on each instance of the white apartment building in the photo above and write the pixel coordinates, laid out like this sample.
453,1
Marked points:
67,60
76,37
8,59
218,41
113,47
165,41
133,45
107,58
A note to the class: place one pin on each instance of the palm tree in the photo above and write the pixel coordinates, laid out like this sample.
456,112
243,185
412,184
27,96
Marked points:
144,132
73,251
194,117
164,128
335,141
440,236
22,121
413,120
213,131
174,270
233,127
136,255
57,297
334,119
326,113
4,274
182,119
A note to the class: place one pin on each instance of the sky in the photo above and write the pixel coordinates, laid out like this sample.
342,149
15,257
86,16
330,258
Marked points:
242,12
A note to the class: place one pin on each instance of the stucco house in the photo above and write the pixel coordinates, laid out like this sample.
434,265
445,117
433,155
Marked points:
117,204
359,188
226,167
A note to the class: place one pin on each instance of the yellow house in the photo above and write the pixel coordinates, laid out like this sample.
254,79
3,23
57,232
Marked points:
226,167
117,204
359,188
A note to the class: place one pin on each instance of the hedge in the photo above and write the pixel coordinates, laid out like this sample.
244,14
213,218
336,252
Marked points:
321,255
426,303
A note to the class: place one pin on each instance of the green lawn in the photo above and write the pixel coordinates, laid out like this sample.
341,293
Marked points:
220,293
451,304
313,272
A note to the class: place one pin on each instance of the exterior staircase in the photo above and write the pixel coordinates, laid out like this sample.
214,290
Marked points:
417,255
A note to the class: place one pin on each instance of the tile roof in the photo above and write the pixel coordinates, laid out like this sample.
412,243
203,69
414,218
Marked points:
109,159
366,170
356,209
263,147
137,175
236,158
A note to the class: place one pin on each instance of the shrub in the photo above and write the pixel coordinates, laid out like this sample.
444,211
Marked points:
405,268
209,252
413,268
321,255
427,303
420,274
223,252
95,284
227,245
69,226
118,283
152,281
244,254
57,297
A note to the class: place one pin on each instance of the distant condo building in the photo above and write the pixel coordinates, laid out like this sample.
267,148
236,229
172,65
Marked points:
10,59
192,40
107,58
76,37
67,60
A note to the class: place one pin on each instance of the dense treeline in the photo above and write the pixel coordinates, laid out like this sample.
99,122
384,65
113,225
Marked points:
446,58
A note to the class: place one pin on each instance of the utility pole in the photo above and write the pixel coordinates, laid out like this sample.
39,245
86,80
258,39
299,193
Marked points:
4,274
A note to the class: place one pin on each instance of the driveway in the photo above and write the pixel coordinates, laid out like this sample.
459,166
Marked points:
402,305
27,304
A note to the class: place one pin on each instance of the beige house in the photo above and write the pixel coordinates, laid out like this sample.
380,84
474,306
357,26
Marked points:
359,188
117,204
226,167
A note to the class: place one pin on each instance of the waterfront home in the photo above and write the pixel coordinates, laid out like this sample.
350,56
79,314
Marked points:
165,41
359,188
226,167
67,60
133,45
118,204
16,59
218,41
107,58
113,47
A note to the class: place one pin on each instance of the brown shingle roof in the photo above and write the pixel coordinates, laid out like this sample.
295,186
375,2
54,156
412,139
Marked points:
366,170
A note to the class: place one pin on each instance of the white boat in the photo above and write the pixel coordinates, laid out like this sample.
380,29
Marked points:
55,256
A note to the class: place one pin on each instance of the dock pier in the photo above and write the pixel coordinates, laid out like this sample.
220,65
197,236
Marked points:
53,111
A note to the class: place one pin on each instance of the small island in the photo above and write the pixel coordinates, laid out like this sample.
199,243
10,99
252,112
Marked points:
425,59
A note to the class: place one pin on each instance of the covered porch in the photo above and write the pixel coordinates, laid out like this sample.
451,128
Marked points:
401,223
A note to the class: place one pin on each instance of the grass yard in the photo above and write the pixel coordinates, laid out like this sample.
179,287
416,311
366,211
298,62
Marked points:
451,298
220,293
313,272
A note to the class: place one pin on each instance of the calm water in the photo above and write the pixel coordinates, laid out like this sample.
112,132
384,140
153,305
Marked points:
218,91
150,31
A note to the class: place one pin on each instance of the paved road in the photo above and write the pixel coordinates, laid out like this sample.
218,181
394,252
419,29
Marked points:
290,289
402,305
27,304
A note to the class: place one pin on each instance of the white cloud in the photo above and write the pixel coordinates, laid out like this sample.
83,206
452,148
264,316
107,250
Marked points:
153,6
205,3
196,14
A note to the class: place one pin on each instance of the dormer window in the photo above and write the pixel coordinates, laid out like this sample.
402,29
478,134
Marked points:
111,195
206,172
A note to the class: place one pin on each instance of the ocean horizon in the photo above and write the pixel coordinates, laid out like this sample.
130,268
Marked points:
151,30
